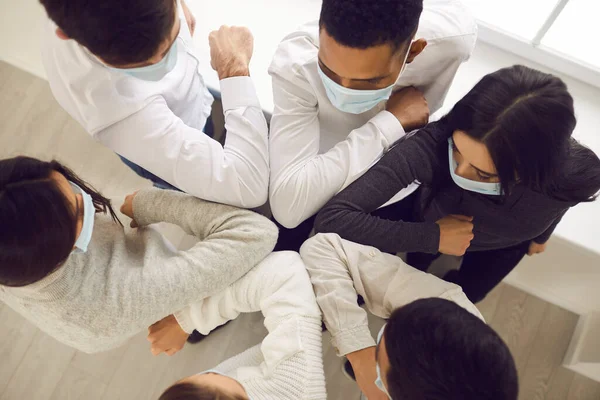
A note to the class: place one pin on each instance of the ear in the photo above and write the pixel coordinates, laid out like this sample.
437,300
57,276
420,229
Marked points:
416,48
61,34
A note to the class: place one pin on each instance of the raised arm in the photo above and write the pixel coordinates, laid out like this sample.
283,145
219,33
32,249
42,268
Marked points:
232,241
349,213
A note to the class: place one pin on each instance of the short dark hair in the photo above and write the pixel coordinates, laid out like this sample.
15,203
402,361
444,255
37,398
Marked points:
37,222
120,32
440,351
192,391
526,119
366,23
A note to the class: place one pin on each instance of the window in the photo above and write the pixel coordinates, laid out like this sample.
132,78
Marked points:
555,33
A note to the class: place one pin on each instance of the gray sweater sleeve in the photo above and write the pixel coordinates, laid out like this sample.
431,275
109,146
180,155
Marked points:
348,213
232,241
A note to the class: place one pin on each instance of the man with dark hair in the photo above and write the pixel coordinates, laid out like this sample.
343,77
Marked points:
350,86
435,345
126,71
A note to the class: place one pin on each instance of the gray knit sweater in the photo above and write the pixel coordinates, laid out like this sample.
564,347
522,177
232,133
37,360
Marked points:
129,279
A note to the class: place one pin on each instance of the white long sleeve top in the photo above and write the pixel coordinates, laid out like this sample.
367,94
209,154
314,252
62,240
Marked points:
288,365
317,150
158,125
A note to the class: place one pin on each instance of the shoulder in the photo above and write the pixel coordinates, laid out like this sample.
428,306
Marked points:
297,53
448,24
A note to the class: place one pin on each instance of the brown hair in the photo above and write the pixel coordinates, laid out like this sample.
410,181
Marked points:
37,222
119,32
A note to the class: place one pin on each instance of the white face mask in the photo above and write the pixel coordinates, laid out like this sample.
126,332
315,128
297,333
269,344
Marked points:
154,72
379,381
487,188
355,101
87,228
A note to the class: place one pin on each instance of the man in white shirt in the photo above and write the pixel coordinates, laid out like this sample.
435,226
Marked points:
126,71
331,83
435,344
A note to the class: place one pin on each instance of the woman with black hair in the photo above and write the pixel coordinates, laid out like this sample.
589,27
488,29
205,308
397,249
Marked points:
497,175
69,266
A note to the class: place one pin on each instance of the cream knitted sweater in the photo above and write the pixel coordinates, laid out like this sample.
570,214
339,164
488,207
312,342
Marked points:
288,365
129,279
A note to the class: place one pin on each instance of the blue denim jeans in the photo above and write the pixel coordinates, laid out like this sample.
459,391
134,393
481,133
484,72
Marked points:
209,130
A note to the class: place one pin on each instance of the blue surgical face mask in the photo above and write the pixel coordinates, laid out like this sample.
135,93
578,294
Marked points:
89,211
154,72
488,188
355,101
379,381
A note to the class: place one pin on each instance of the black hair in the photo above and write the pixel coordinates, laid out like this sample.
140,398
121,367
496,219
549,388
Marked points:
119,32
192,391
526,120
366,23
37,223
440,351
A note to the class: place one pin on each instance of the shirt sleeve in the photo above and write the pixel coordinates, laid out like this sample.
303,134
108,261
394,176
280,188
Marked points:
349,213
160,142
231,242
302,180
279,287
340,269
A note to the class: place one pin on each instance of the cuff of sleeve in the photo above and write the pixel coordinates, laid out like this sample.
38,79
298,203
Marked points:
424,237
389,125
184,320
142,204
237,92
352,340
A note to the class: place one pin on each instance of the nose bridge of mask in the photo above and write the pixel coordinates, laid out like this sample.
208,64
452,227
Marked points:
487,188
156,72
355,101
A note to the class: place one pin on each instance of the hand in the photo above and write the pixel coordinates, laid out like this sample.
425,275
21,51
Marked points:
231,49
166,336
456,233
189,17
364,366
127,208
410,107
536,248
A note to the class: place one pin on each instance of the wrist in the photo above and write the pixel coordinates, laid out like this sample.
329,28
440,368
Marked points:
233,69
362,357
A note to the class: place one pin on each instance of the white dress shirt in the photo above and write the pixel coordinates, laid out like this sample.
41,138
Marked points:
288,364
317,150
158,125
340,269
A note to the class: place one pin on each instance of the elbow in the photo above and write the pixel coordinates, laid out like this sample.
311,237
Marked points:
255,196
284,214
269,231
325,221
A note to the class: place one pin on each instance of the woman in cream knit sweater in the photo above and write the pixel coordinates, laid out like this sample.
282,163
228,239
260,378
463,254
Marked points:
69,266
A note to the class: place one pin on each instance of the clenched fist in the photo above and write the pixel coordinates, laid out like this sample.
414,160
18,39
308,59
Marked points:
410,107
231,49
456,233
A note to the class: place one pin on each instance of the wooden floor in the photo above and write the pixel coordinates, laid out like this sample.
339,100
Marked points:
34,366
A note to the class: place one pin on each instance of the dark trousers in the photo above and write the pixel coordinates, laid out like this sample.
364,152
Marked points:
480,271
